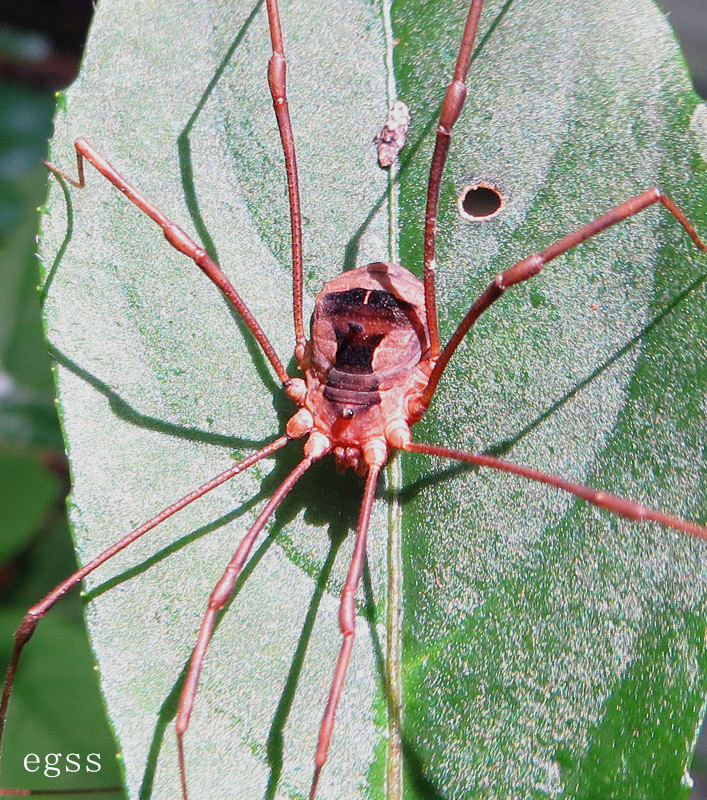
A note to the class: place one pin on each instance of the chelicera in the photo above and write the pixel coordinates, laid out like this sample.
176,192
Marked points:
371,366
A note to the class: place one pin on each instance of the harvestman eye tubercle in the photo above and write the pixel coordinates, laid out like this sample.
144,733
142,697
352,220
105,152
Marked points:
370,370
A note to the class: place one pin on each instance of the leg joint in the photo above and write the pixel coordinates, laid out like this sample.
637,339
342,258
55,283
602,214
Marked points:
179,239
26,627
347,613
521,271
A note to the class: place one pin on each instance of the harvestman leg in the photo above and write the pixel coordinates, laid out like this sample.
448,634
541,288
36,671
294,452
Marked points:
531,266
451,109
277,75
32,617
610,502
178,239
218,599
347,622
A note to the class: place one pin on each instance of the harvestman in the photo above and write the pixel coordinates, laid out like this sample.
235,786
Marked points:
371,369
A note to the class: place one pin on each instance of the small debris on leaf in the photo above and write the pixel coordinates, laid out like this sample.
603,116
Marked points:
391,139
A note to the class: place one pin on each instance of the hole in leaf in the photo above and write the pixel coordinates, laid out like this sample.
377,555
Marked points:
479,201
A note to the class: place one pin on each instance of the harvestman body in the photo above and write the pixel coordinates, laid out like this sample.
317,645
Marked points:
370,371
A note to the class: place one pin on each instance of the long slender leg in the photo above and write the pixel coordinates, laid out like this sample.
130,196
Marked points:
178,239
219,597
32,617
277,80
532,265
451,109
347,622
114,790
610,502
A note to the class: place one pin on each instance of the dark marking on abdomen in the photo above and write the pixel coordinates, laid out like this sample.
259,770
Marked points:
376,299
362,320
355,348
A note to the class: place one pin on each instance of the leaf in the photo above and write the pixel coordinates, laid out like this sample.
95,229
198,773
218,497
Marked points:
542,640
559,650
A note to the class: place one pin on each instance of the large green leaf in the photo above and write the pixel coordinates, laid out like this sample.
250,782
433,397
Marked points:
548,648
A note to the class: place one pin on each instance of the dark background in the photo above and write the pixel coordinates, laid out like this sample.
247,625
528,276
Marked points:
40,50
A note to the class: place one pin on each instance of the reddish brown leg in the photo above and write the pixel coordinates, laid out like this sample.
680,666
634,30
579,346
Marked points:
61,792
219,597
178,239
532,265
611,502
32,617
451,109
277,80
347,622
